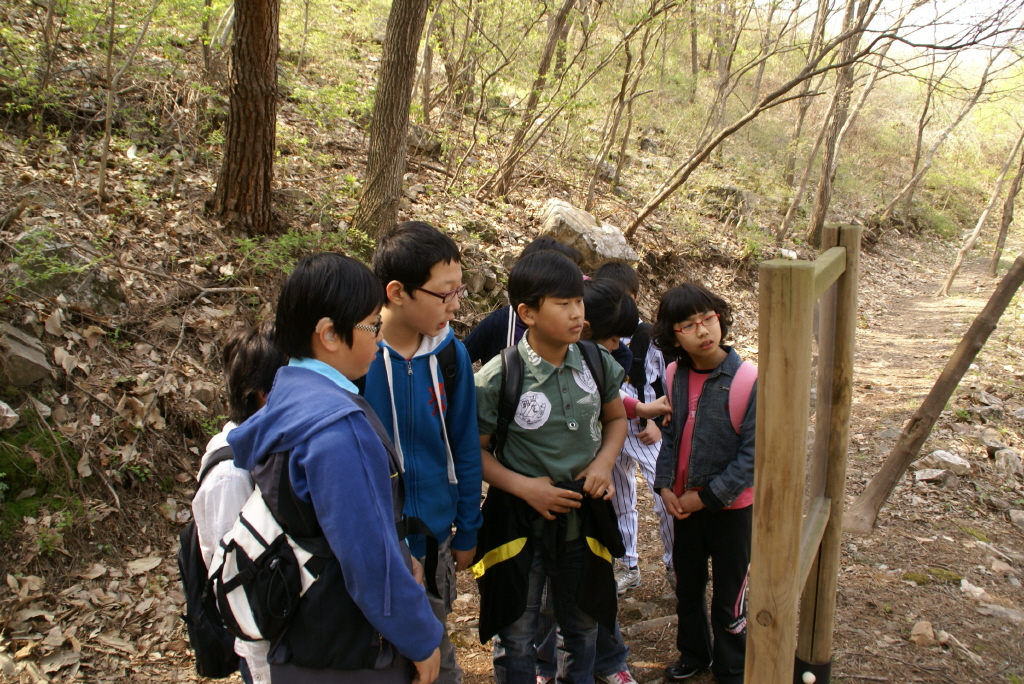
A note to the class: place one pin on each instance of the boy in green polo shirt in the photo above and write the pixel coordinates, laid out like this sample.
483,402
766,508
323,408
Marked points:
547,513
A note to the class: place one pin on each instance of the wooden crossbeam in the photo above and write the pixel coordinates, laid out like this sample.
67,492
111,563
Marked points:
827,269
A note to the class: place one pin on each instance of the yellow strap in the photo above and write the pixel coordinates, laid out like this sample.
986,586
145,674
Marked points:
599,549
497,555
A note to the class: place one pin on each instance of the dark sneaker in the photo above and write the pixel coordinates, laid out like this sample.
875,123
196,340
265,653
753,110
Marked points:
679,671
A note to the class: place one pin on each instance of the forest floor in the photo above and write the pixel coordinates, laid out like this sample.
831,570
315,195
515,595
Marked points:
120,623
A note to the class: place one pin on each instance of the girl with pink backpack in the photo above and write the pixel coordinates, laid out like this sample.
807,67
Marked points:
705,476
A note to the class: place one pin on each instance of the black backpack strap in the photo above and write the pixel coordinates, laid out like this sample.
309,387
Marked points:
639,345
448,363
508,397
592,357
219,456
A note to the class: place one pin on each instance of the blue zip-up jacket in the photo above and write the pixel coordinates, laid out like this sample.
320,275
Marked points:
721,462
442,492
338,464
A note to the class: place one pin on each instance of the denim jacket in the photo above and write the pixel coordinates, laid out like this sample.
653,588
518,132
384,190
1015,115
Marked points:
721,462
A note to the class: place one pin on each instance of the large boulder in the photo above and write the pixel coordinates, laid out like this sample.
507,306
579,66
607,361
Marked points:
22,360
598,241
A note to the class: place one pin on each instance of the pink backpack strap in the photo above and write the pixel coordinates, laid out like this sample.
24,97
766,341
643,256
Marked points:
739,393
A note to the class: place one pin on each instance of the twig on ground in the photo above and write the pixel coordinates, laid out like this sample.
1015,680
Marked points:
93,396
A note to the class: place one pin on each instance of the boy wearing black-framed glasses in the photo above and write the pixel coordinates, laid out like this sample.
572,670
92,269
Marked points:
421,386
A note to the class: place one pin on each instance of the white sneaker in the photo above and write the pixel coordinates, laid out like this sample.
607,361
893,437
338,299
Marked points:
628,579
623,677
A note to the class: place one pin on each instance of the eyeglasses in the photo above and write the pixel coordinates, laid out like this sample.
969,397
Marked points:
448,296
690,327
375,328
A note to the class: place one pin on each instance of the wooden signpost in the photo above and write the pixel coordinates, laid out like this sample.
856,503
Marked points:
798,503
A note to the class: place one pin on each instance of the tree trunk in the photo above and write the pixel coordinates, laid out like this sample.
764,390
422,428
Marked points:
385,161
830,158
243,196
515,151
804,102
798,196
1004,226
860,518
908,189
694,54
427,68
969,242
113,80
766,43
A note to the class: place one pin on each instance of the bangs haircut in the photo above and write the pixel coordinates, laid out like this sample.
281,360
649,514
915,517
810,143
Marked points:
679,304
543,274
606,305
250,363
546,242
409,251
324,285
623,273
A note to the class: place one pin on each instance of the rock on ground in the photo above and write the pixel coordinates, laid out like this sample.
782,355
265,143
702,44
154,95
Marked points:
598,241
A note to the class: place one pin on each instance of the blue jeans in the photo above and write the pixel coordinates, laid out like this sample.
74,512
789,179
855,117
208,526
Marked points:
612,650
515,649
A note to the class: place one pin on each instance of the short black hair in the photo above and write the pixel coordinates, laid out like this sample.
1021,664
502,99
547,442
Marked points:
324,285
622,272
408,251
250,363
610,311
546,242
543,274
680,303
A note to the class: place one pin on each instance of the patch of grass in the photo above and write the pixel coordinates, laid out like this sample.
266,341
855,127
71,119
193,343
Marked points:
20,474
977,534
920,579
943,575
279,254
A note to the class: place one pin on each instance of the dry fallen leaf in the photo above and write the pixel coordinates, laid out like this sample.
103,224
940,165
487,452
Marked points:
94,571
141,565
84,470
53,323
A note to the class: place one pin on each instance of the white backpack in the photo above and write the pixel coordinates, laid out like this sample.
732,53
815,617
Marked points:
259,573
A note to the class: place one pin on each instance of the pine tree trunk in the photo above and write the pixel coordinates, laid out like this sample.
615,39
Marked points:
385,161
243,196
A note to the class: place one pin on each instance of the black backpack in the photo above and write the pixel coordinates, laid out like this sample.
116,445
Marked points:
512,386
212,643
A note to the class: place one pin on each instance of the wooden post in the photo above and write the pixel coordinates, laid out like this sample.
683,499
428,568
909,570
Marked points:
819,602
783,395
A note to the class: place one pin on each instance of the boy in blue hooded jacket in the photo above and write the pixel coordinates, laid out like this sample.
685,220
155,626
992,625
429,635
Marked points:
366,616
421,385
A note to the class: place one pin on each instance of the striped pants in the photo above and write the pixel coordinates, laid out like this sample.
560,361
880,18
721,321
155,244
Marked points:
635,452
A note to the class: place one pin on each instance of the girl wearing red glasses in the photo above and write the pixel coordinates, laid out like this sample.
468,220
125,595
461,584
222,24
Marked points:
705,475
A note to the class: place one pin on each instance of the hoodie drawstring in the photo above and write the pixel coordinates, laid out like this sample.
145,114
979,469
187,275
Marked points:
394,413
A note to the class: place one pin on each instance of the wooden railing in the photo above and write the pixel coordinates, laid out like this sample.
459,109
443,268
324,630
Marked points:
798,506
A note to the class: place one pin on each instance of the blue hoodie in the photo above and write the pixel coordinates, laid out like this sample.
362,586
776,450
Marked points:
440,490
339,465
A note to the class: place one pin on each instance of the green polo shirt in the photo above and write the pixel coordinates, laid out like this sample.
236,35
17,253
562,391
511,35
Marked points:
557,426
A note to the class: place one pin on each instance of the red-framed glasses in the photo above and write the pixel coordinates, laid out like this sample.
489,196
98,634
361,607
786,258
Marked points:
690,327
